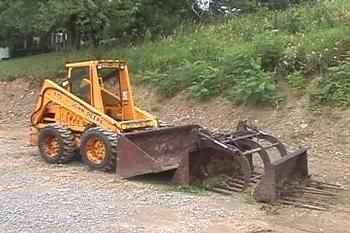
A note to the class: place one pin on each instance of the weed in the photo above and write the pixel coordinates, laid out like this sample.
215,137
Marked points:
297,82
249,199
191,189
270,47
334,89
252,85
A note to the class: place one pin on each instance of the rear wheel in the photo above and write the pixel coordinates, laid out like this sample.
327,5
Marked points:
98,149
56,144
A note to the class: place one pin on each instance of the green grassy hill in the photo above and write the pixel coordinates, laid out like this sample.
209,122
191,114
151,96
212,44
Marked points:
244,59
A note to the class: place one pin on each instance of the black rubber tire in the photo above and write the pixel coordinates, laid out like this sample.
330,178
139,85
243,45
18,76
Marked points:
110,141
67,147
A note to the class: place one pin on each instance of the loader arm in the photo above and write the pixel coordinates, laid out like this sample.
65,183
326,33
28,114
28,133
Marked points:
53,93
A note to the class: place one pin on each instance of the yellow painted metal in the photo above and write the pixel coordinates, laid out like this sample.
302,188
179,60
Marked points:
128,107
95,89
56,104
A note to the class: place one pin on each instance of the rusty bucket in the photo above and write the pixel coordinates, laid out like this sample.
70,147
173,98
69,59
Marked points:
154,151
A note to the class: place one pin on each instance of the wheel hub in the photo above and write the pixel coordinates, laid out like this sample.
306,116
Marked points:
96,150
52,147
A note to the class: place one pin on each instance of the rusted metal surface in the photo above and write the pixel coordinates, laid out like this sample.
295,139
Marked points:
154,151
310,194
279,167
212,158
290,168
194,156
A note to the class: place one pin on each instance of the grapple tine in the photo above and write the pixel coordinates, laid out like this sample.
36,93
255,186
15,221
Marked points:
233,188
316,191
296,203
235,185
324,185
221,191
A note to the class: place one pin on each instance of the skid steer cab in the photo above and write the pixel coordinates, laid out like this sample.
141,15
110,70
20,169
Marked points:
93,114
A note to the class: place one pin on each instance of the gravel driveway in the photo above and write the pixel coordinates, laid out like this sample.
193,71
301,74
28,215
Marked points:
37,197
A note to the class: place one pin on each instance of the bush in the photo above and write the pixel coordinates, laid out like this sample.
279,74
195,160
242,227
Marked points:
297,82
292,21
199,78
270,47
205,84
251,85
323,48
333,90
239,78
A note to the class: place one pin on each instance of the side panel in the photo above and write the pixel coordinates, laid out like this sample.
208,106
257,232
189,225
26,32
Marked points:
132,160
53,93
71,120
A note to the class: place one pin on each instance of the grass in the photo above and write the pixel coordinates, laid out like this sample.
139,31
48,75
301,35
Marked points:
42,66
242,59
192,190
164,182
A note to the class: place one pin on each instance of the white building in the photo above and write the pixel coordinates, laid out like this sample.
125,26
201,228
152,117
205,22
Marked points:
4,53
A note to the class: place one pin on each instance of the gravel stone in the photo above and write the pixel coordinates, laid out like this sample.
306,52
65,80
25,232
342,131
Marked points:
38,197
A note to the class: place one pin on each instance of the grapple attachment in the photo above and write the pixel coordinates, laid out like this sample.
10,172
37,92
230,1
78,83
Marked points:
272,166
197,155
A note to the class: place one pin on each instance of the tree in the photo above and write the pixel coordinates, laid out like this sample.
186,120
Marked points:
20,18
17,19
92,19
133,19
77,16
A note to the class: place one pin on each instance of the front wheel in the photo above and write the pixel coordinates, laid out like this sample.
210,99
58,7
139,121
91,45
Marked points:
56,144
98,149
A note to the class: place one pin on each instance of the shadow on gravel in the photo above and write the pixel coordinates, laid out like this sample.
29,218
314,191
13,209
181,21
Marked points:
163,178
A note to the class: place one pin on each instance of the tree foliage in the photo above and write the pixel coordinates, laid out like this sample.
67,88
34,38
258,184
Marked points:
140,18
17,18
93,18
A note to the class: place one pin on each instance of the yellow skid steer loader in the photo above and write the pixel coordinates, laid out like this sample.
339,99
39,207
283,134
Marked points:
93,113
